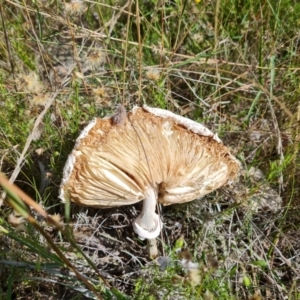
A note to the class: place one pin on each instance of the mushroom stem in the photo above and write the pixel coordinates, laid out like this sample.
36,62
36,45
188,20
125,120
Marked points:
147,219
152,248
148,224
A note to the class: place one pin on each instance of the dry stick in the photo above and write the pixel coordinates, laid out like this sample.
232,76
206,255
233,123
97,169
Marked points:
140,47
216,35
163,21
7,43
125,51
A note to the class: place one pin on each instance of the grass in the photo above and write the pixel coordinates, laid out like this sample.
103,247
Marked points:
231,65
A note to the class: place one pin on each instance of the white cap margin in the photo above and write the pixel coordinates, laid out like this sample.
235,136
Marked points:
188,123
69,166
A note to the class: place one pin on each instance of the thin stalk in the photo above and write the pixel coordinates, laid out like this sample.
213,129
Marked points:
149,205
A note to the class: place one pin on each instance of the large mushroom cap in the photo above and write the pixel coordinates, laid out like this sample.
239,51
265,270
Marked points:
116,164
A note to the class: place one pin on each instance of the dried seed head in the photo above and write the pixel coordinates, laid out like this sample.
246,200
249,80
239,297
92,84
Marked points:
57,218
207,294
39,99
95,58
100,92
153,74
39,151
158,49
75,8
78,75
194,277
29,83
101,97
76,79
198,37
14,219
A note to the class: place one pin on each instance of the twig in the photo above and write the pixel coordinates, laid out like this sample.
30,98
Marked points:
125,50
7,42
140,47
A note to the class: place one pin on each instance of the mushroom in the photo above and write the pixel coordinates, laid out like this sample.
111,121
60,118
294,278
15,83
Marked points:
152,155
